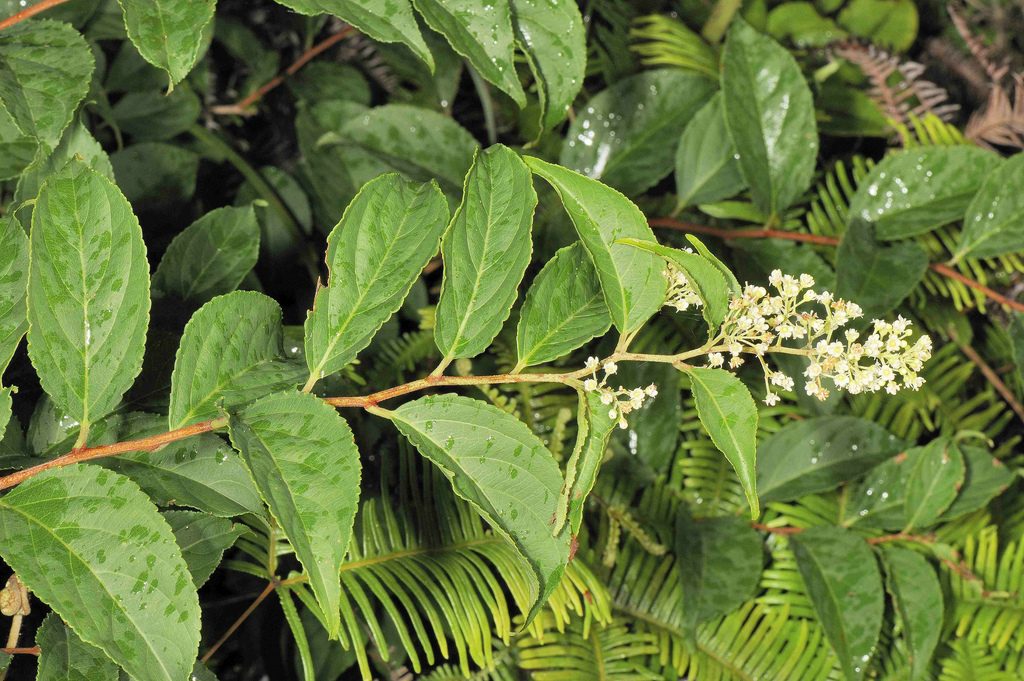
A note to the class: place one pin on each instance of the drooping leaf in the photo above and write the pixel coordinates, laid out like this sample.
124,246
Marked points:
168,33
420,143
376,252
917,190
582,468
203,539
878,501
106,562
553,38
706,167
211,256
305,464
620,136
985,478
917,597
482,33
45,71
728,413
392,22
705,252
845,587
631,279
817,454
155,174
485,251
994,223
501,468
769,112
563,310
88,293
13,287
151,115
703,276
936,475
202,472
876,275
719,563
891,24
5,412
62,655
230,353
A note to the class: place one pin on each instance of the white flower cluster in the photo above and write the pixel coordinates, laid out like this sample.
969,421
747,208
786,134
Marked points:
680,294
620,401
759,322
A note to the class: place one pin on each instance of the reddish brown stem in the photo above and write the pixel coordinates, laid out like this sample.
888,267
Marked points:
31,650
784,531
145,444
903,536
269,589
376,398
822,240
241,108
29,12
990,375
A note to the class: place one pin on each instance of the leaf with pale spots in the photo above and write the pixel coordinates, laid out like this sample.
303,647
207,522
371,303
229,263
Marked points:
845,587
203,539
107,563
485,252
728,413
501,468
595,429
306,466
88,293
230,353
13,285
917,597
168,33
62,655
631,279
936,475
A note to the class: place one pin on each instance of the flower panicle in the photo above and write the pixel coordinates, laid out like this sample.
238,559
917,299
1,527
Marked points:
620,401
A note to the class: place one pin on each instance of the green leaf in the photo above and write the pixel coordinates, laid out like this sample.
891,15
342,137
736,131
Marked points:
168,33
203,540
76,143
62,655
936,475
891,24
13,287
729,415
92,546
156,175
620,136
802,25
632,281
306,466
45,71
151,115
817,454
769,112
917,597
915,191
564,309
211,256
985,478
230,354
376,252
994,223
501,468
704,277
706,167
877,276
485,251
552,36
5,408
878,501
719,563
581,470
482,33
420,143
88,293
202,472
390,22
845,587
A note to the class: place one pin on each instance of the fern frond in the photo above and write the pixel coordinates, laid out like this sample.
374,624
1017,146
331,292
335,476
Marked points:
611,652
781,583
1001,121
445,584
896,86
664,41
990,598
970,661
929,131
398,358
